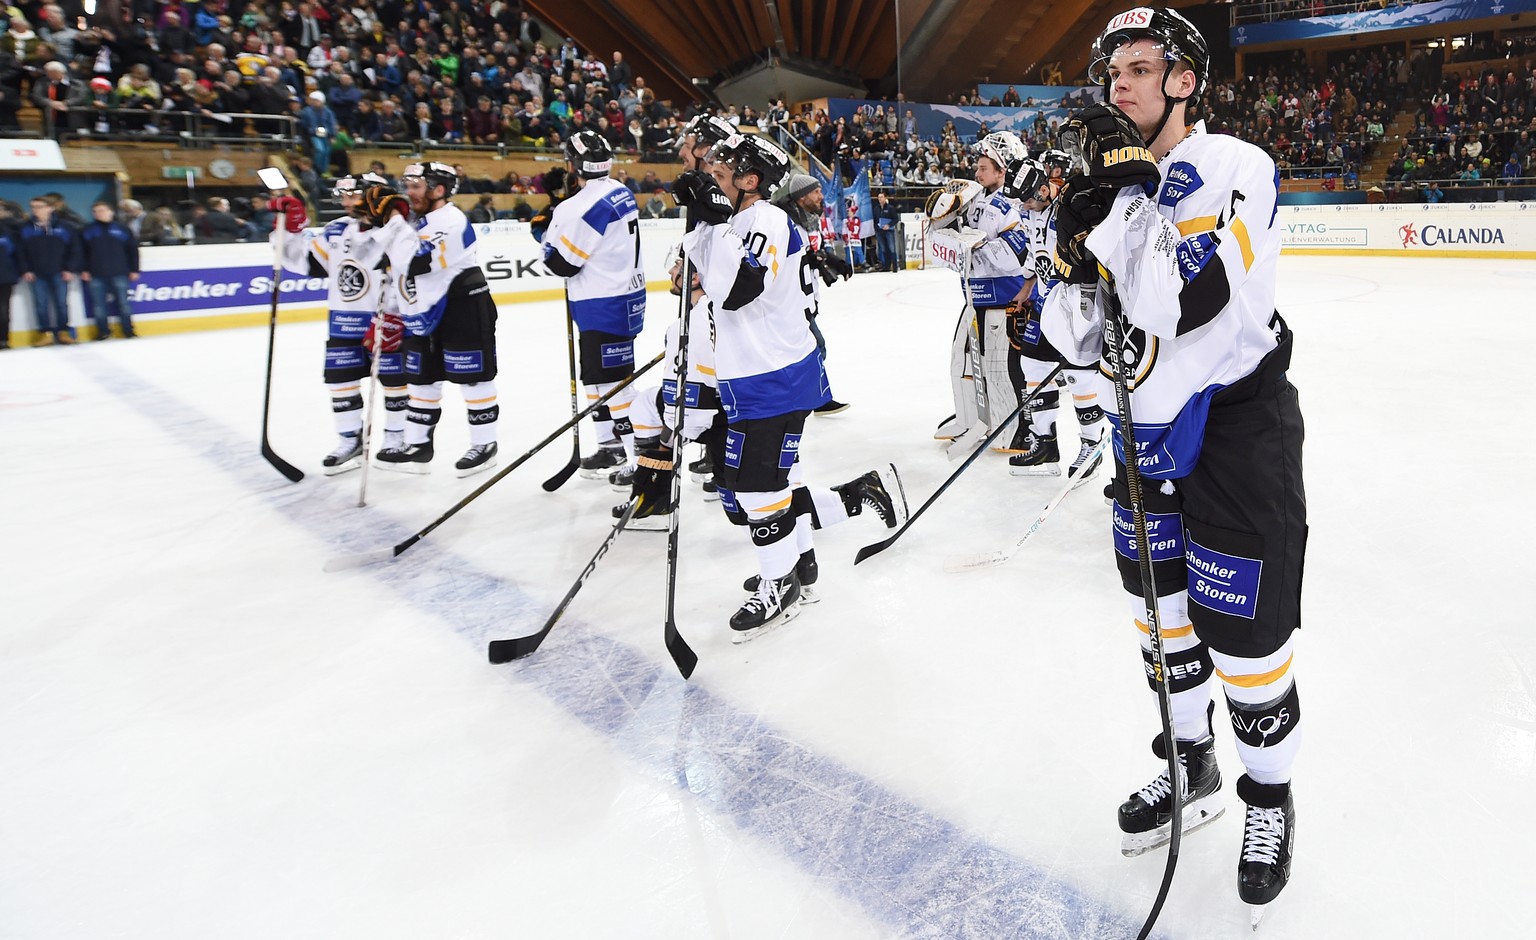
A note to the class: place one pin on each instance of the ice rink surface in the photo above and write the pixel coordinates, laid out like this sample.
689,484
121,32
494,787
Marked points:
203,735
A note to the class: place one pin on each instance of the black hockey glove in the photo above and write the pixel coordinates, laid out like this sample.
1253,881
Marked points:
1082,206
557,185
1018,315
382,203
1111,146
831,266
701,196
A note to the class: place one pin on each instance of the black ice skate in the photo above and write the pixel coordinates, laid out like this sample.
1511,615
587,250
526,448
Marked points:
776,602
477,458
1086,463
1020,443
1040,457
873,490
806,573
1269,833
1146,818
408,458
648,517
832,407
702,469
348,455
711,491
623,478
596,465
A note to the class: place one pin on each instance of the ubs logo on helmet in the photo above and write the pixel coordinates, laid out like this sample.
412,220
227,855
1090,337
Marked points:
351,281
1141,16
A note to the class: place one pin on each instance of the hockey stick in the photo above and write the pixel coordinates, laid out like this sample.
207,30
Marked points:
992,559
373,400
343,562
284,467
880,546
1114,327
682,654
558,480
504,651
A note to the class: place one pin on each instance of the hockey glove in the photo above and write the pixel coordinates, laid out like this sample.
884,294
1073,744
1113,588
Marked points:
1017,321
1112,147
1081,208
381,203
557,185
702,197
538,225
386,329
832,266
653,479
291,214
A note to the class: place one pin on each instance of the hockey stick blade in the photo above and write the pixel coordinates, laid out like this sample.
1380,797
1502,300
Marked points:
974,562
504,651
287,469
682,654
558,480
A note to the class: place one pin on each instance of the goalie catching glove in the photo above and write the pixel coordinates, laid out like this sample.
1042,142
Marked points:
381,203
945,205
1111,146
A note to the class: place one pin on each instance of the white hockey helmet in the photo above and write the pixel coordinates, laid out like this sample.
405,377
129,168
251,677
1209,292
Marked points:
1002,148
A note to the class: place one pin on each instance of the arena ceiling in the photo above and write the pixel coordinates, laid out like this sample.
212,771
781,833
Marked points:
946,45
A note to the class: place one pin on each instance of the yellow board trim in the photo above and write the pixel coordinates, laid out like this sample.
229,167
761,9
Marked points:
1400,253
1253,682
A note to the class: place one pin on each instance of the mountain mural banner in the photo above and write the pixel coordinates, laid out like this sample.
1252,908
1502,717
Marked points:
1432,13
931,118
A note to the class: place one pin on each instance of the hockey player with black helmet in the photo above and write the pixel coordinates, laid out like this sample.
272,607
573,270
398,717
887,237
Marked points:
593,241
359,301
752,263
1184,222
449,316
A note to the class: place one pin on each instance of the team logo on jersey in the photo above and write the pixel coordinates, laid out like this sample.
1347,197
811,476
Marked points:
351,281
407,288
1138,350
1182,181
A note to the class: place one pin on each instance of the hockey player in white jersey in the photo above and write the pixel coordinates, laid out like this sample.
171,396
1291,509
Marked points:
450,319
593,241
1033,355
801,199
752,264
980,228
358,300
1185,225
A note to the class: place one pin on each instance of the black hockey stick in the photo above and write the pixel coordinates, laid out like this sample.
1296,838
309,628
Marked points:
342,562
1029,400
504,651
1114,327
284,467
558,480
682,654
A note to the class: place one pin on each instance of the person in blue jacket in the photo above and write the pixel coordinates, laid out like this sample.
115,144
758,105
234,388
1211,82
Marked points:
110,256
51,253
11,266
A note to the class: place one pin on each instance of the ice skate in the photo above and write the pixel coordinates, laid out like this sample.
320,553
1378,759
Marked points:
477,458
348,455
1086,463
408,458
1269,835
806,573
1146,817
623,478
711,491
832,407
776,602
597,465
873,490
648,517
1040,457
702,469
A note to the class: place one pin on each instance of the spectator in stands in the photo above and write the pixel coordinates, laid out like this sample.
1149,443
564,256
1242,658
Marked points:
318,124
887,218
160,228
620,76
50,249
109,261
483,124
1512,170
388,126
138,100
131,213
214,224
1433,193
484,210
55,94
10,89
655,206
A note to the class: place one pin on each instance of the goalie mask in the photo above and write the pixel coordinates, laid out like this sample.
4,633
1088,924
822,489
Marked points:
1002,148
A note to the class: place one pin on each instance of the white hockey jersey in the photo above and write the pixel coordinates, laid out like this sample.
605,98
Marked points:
757,273
598,231
702,382
998,268
355,281
427,258
1194,264
1040,224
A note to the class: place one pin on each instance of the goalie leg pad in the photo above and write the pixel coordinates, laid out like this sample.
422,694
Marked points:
960,376
1002,395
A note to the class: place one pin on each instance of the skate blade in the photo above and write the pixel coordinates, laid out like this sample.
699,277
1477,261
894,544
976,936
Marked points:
808,595
1256,915
471,471
1038,470
657,523
418,469
785,616
354,464
599,474
619,487
700,477
1197,815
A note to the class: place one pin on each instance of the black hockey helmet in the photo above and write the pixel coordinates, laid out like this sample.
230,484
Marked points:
708,129
435,174
590,153
1178,37
1057,160
749,153
1023,179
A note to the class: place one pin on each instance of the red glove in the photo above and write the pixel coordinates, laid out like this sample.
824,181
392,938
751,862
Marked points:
386,329
293,213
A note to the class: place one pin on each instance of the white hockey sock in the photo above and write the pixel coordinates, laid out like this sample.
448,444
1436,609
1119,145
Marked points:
829,507
1265,710
395,402
772,526
346,406
423,411
480,402
1189,663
